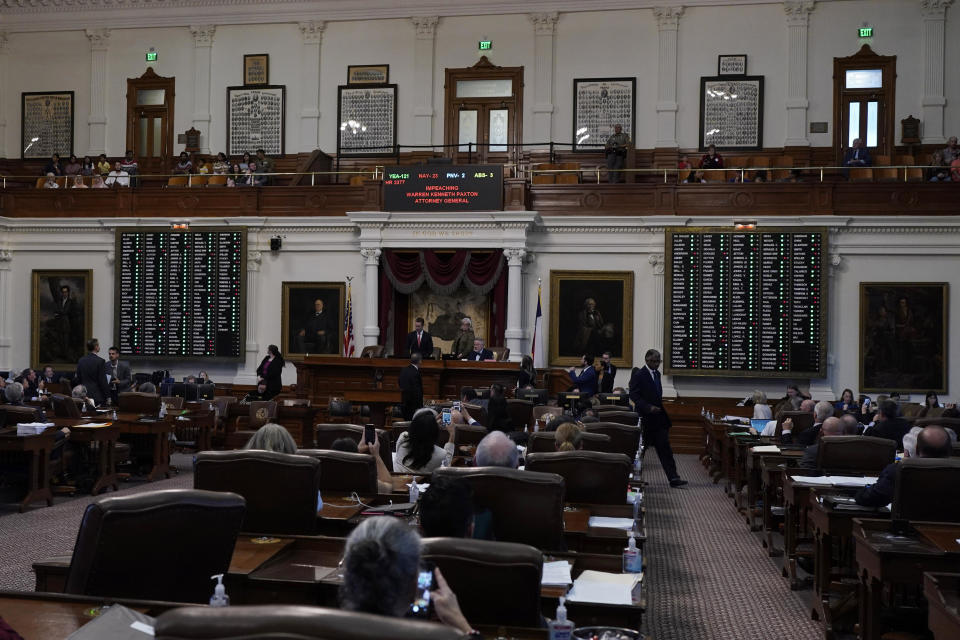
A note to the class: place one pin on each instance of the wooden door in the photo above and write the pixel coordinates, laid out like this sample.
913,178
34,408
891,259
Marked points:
481,114
484,132
864,95
150,102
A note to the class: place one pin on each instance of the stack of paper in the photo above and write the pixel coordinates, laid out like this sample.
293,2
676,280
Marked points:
611,523
735,420
605,588
96,424
32,428
556,573
766,448
834,481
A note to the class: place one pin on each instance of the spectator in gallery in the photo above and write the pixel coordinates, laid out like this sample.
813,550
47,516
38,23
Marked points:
87,167
78,182
950,152
711,159
955,170
616,152
694,177
103,165
51,182
795,176
938,172
98,183
118,177
264,162
684,168
222,166
54,166
200,164
129,164
183,166
245,161
857,155
72,167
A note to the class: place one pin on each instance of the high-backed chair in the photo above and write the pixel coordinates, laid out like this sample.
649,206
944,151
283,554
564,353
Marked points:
373,351
545,442
345,472
862,174
138,402
620,417
198,180
217,181
271,622
544,178
521,412
855,453
927,489
501,354
466,434
623,438
527,506
280,488
591,476
159,545
477,412
177,181
259,414
17,414
543,410
65,407
802,420
325,434
475,571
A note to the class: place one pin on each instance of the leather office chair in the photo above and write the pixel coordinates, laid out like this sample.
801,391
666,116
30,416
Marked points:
339,410
619,416
623,438
477,412
855,453
542,410
802,420
545,442
269,622
927,489
373,351
946,423
138,402
466,435
527,506
475,571
17,414
345,472
521,413
160,545
280,488
65,407
325,434
590,476
259,414
173,403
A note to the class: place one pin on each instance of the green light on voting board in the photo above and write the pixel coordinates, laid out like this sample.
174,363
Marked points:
151,56
486,45
866,32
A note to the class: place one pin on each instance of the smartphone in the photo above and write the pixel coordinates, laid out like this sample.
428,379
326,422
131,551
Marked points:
421,603
369,433
447,416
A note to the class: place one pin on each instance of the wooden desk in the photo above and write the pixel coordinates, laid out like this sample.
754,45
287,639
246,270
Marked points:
106,437
796,504
129,424
36,450
883,561
942,591
755,481
581,537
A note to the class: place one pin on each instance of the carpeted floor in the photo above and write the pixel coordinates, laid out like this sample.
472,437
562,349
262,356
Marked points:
42,532
709,578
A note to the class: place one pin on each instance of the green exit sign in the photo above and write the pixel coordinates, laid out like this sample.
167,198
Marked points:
486,45
866,32
151,56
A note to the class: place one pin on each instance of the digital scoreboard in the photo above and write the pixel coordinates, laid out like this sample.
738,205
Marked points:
745,303
181,294
432,187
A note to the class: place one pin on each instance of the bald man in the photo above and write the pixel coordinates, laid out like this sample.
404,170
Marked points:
831,427
932,442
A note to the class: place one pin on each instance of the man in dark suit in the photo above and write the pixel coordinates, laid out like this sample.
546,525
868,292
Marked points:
121,378
586,382
646,392
480,352
857,155
608,372
92,373
830,427
411,387
419,341
932,442
49,375
317,333
28,378
887,424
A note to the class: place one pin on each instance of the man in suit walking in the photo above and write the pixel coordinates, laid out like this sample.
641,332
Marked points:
411,387
646,391
92,373
608,371
419,341
121,378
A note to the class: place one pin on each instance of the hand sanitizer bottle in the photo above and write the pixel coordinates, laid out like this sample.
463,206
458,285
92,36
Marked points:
632,560
561,628
414,491
163,410
219,597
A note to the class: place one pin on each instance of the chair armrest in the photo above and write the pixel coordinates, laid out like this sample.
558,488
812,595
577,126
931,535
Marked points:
51,573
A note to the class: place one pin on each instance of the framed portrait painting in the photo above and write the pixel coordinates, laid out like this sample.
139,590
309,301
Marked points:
731,112
255,119
903,337
367,117
312,318
598,105
591,312
62,304
46,124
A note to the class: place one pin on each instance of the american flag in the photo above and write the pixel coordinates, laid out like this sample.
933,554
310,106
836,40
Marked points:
348,345
537,355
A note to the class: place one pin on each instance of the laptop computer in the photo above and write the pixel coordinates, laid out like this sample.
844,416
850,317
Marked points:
759,424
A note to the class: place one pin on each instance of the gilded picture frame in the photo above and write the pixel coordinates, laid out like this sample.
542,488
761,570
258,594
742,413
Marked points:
256,69
62,317
576,329
903,337
299,324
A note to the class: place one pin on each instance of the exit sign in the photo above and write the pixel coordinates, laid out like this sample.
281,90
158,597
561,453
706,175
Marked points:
151,56
866,32
486,45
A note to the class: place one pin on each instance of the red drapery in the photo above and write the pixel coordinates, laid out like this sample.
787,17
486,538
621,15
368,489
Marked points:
403,272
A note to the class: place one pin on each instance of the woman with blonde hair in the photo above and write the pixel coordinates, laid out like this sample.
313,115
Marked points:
272,437
761,410
568,437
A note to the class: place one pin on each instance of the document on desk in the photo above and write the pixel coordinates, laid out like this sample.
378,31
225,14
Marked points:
833,481
96,424
604,588
556,573
766,448
116,623
606,522
32,428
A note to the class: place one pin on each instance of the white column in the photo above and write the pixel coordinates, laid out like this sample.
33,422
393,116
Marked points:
934,16
254,258
423,61
202,49
668,25
798,21
6,361
4,57
544,31
371,288
827,388
655,334
97,120
513,336
312,37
